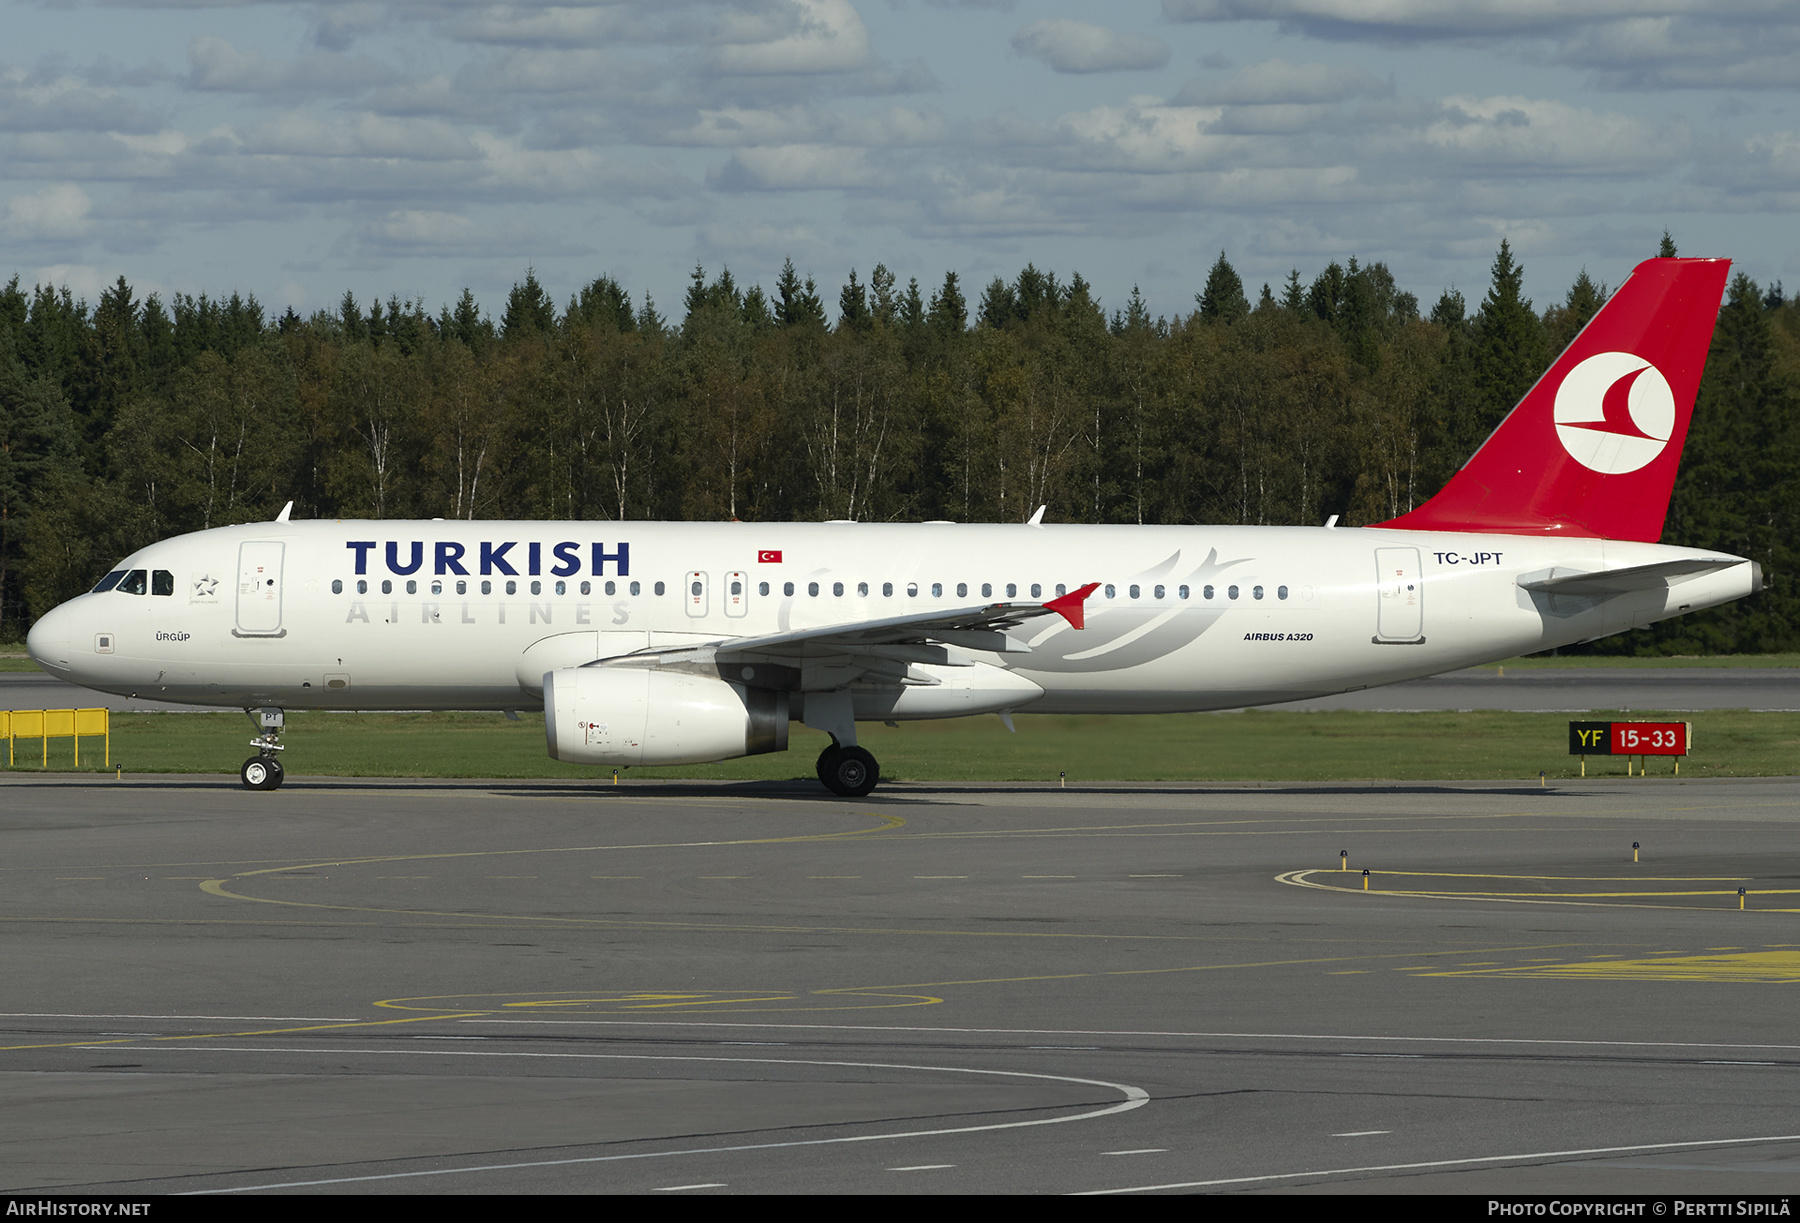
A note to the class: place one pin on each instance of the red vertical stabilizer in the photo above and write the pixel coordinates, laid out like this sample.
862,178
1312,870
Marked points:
1592,448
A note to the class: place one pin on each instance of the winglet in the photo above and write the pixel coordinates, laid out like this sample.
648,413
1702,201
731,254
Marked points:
1071,606
1037,519
285,511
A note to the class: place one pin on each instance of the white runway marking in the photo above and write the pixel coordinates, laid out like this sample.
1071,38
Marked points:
1446,1163
1135,1097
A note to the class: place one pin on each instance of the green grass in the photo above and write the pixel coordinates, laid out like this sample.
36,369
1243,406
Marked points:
1562,661
17,662
1259,745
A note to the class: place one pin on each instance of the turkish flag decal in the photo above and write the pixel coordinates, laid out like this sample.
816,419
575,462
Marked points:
769,556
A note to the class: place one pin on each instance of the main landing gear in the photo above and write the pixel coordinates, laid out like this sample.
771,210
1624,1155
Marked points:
263,771
849,771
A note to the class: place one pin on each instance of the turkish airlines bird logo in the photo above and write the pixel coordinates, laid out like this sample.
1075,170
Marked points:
1614,413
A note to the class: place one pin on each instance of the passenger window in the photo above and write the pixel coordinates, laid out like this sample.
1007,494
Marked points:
787,588
387,586
862,590
1231,592
108,582
1133,592
487,587
635,587
1256,592
1181,592
1158,592
658,588
562,588
1061,590
537,588
362,586
762,588
1037,592
912,590
412,586
812,588
887,590
1012,590
134,583
437,587
1281,592
162,582
937,590
337,586
612,588
512,587
587,588
1206,592
737,587
837,588
462,587
1110,592
695,590
962,590
987,590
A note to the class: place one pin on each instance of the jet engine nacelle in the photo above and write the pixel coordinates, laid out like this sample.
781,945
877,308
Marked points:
632,715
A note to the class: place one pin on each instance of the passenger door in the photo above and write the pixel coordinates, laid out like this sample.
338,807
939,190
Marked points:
1400,602
259,588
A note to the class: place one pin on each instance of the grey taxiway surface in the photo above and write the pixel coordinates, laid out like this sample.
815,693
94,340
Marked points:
740,988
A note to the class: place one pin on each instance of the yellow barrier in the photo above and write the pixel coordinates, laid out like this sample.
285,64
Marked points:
48,724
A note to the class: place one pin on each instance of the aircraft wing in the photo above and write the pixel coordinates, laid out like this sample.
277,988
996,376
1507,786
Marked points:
1605,582
833,654
981,627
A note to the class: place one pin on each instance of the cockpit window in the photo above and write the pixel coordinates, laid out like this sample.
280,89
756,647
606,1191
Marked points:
162,582
109,581
134,583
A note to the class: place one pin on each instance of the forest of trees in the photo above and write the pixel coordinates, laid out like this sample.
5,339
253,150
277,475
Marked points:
126,421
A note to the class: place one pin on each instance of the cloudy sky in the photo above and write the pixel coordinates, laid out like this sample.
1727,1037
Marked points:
295,150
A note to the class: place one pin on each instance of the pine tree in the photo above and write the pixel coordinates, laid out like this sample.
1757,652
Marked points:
1510,350
1222,301
529,310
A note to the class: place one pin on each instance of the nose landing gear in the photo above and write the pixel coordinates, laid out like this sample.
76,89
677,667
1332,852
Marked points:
263,771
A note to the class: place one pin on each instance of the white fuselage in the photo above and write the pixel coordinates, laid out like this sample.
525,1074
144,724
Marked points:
338,615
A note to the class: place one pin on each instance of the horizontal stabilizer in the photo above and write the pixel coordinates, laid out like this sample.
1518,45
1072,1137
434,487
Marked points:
1601,583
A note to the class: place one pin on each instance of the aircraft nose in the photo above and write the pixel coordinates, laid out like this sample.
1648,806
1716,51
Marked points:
48,641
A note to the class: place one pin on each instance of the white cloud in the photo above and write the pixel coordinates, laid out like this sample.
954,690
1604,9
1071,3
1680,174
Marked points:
796,167
85,281
298,134
1278,82
1535,135
214,64
1455,18
1075,46
799,36
30,102
56,213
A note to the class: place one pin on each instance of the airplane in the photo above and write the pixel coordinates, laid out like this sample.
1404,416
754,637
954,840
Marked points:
678,643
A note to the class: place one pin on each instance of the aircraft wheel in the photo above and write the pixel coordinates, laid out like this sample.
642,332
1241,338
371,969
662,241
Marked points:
851,772
824,764
261,773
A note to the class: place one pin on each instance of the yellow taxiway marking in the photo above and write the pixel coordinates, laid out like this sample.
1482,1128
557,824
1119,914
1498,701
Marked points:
1767,967
639,1002
311,1027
